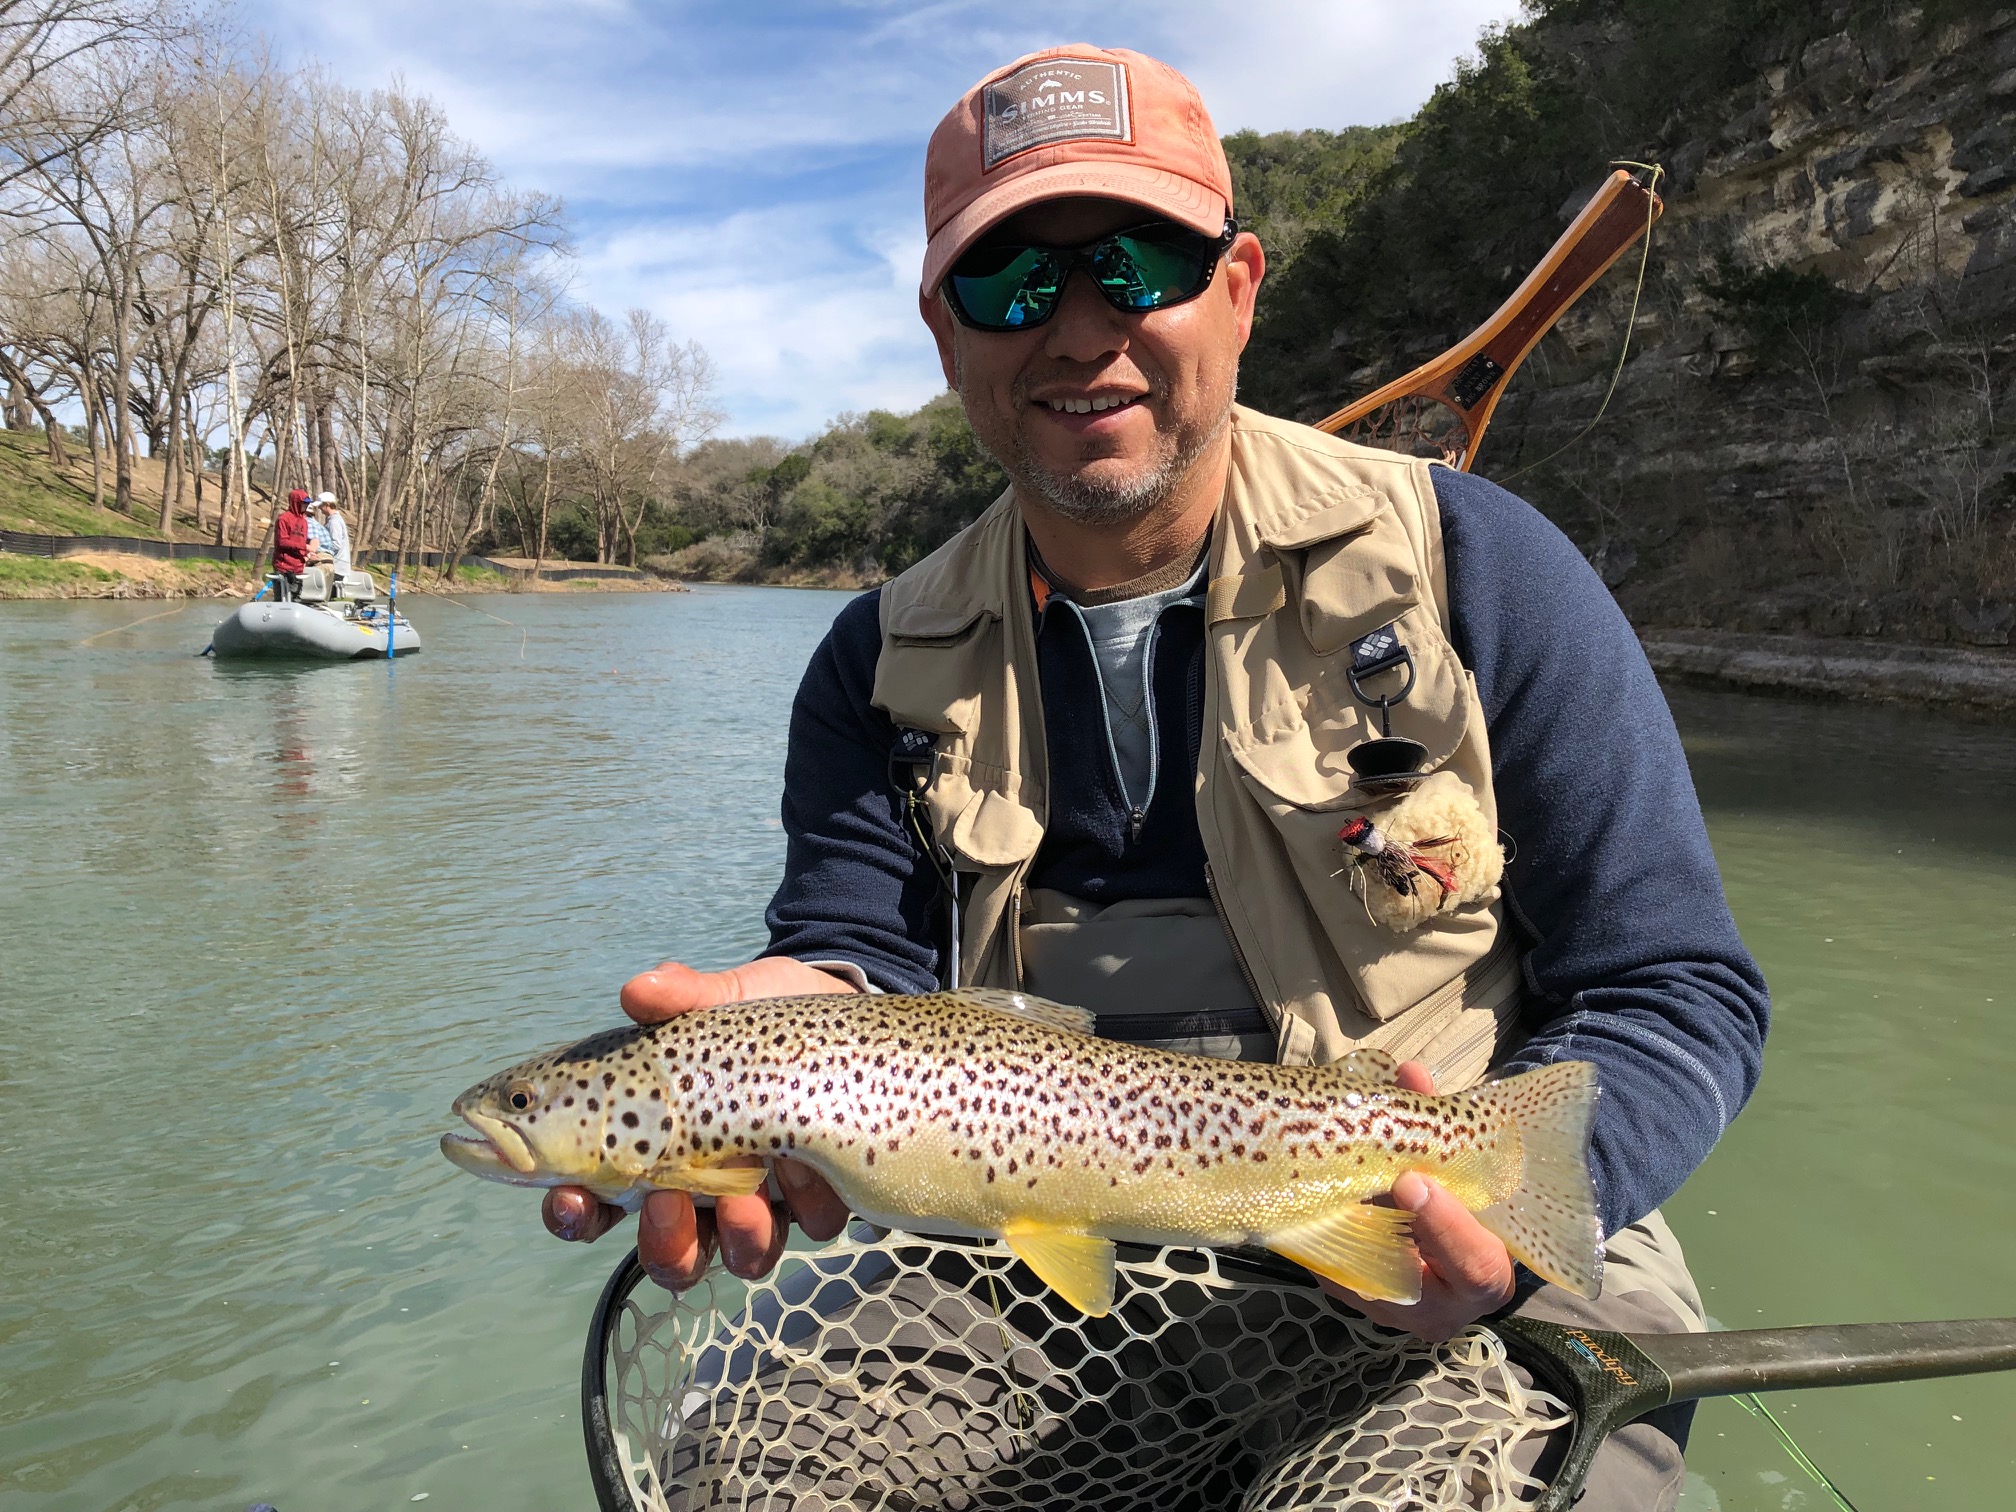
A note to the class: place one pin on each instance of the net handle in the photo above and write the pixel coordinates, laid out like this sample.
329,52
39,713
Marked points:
606,1469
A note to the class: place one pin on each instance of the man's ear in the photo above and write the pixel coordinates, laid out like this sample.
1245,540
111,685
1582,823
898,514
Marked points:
1245,266
939,318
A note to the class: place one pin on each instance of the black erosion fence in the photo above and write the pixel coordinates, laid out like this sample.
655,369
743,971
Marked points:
26,544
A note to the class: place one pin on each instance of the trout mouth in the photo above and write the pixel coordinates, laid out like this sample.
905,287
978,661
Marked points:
496,1150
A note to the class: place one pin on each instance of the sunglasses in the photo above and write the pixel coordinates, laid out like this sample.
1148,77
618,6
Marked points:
1013,286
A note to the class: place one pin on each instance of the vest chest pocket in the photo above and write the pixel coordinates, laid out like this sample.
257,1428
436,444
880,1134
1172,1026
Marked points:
986,816
1291,767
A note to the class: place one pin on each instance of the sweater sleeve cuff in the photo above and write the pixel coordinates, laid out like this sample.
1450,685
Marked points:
847,970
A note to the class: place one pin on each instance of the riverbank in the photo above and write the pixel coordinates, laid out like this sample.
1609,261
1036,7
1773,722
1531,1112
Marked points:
121,575
1979,681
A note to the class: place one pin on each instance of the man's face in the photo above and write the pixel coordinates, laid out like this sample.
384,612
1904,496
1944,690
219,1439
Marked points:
1173,370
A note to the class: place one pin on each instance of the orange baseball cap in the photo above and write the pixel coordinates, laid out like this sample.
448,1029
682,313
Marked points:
1075,120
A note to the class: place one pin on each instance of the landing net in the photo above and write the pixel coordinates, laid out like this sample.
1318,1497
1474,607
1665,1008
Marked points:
903,1373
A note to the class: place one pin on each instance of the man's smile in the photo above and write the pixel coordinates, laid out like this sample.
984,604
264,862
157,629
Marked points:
1094,405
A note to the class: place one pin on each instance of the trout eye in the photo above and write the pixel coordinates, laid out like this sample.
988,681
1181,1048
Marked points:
521,1095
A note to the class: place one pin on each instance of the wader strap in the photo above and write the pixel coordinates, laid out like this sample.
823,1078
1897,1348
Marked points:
910,761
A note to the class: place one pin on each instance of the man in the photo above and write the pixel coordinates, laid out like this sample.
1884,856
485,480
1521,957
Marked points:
1132,691
290,545
336,531
320,548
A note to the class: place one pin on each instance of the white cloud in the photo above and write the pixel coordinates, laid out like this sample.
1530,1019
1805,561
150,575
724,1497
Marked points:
805,311
753,172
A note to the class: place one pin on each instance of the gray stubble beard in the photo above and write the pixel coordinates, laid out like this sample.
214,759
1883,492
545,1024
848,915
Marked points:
1089,501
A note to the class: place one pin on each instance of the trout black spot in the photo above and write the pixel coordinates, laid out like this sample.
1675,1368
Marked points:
643,1147
594,1106
567,1101
629,1120
610,1141
665,1125
608,1079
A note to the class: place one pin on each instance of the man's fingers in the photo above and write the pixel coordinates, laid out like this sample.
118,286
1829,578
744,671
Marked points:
674,1240
1413,1077
671,988
752,1234
1466,1256
816,1206
571,1213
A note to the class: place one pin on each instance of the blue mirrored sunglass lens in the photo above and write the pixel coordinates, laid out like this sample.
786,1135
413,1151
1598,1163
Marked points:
1145,273
1006,286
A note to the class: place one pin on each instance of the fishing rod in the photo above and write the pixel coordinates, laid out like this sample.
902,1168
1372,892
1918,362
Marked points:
1611,1379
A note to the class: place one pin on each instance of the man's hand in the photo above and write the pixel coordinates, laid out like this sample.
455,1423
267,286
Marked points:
675,1240
1465,1270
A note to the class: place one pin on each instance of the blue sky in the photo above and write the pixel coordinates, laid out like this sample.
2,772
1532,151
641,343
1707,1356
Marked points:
753,171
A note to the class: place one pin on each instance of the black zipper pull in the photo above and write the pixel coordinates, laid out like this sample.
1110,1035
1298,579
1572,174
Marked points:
1134,822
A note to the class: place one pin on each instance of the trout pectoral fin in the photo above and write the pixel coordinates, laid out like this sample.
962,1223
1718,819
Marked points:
1365,1248
708,1181
1078,1267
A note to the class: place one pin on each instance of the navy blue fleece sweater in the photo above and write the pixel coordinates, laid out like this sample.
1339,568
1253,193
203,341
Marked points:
1634,961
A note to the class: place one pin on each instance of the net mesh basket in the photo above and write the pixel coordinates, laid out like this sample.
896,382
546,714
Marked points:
891,1371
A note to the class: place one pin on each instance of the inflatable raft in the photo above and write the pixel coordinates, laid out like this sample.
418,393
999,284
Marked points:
337,619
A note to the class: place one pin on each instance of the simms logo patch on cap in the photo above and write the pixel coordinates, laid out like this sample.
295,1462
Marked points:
1057,100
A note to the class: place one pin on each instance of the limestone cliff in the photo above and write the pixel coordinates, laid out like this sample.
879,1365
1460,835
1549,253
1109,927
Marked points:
1816,427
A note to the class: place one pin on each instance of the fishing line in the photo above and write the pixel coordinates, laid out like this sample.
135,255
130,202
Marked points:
1637,294
1751,1403
522,631
134,624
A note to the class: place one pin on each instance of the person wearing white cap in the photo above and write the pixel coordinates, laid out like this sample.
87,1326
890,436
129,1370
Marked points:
336,529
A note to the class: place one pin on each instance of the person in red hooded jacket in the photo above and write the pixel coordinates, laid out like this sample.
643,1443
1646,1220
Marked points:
290,545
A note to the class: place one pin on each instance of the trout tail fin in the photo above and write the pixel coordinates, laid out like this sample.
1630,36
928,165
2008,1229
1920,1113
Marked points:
1549,1224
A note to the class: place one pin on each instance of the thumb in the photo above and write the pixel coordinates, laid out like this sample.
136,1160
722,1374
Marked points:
671,988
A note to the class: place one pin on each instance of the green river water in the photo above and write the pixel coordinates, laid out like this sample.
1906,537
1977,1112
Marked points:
258,926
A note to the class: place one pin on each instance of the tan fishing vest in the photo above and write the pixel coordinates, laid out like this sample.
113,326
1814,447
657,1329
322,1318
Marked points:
1318,542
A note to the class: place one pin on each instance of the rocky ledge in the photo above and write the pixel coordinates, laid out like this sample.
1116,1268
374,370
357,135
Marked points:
1980,681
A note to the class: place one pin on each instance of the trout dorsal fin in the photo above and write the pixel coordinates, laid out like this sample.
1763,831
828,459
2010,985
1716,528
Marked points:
1078,1267
1376,1065
1026,1005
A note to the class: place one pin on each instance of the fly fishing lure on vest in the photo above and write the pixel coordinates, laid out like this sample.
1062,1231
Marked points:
1431,851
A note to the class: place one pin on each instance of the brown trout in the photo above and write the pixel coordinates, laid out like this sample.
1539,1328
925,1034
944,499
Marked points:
1000,1114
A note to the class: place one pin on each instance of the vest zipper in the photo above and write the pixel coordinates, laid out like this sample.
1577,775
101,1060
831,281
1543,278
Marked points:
1015,930
1272,1014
